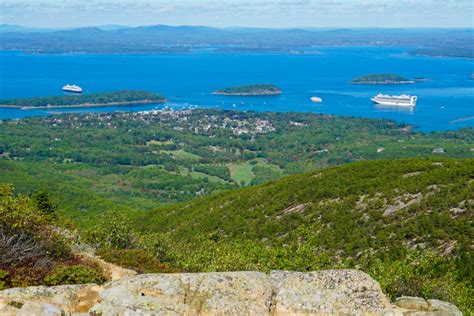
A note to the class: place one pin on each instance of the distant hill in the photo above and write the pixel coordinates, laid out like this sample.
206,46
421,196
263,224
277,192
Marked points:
165,38
10,28
111,27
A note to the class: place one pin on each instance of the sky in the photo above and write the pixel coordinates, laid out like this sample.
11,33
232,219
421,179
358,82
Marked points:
248,13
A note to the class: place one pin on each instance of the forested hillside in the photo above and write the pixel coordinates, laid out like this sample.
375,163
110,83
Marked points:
128,161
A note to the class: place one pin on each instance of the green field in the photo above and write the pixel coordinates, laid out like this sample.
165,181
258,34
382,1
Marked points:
181,154
242,173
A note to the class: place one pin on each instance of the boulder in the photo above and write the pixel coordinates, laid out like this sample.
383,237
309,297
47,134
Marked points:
420,306
228,293
39,309
67,298
328,292
414,303
443,308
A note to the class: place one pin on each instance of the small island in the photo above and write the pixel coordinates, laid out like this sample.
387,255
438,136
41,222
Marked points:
250,90
381,79
124,97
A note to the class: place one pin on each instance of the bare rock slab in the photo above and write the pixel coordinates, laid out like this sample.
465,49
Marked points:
226,293
328,292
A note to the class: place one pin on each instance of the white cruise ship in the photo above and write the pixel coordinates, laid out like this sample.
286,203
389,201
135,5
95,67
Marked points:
395,100
72,88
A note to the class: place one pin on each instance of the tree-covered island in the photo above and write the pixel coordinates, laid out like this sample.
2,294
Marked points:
381,79
124,97
254,89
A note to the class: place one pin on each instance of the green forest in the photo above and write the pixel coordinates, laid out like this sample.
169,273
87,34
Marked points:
214,190
380,78
149,158
125,96
253,89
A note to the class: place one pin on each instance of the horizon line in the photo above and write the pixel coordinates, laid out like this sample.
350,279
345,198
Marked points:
242,27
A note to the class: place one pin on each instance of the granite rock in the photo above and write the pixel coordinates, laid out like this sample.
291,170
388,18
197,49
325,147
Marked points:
326,292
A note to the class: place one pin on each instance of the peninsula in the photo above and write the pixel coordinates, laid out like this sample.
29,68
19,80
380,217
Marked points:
381,79
250,90
124,97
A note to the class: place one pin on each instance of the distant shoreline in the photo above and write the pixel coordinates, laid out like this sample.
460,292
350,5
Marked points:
83,105
385,82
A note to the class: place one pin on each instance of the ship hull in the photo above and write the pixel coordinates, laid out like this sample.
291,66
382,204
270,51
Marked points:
73,91
393,103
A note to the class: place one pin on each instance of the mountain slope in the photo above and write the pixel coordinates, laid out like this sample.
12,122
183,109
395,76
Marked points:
408,223
411,202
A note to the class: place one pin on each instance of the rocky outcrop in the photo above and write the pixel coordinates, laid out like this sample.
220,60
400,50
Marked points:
429,307
54,300
329,292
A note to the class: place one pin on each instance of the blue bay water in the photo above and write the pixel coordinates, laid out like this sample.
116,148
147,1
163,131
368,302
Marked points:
189,79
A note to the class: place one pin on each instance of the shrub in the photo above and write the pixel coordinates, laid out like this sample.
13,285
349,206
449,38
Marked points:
113,232
135,259
19,247
26,233
423,274
23,276
3,276
17,212
74,274
43,203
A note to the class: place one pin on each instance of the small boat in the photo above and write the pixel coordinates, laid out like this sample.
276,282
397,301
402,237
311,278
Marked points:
316,99
72,88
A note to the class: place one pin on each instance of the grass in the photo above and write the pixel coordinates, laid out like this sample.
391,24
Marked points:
242,172
181,154
201,175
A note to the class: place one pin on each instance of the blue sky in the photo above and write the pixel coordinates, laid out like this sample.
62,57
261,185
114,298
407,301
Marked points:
255,13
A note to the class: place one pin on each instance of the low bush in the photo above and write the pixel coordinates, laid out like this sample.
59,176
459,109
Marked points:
3,276
427,275
113,232
135,259
74,274
31,242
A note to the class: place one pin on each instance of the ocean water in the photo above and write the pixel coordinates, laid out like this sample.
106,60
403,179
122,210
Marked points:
189,79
